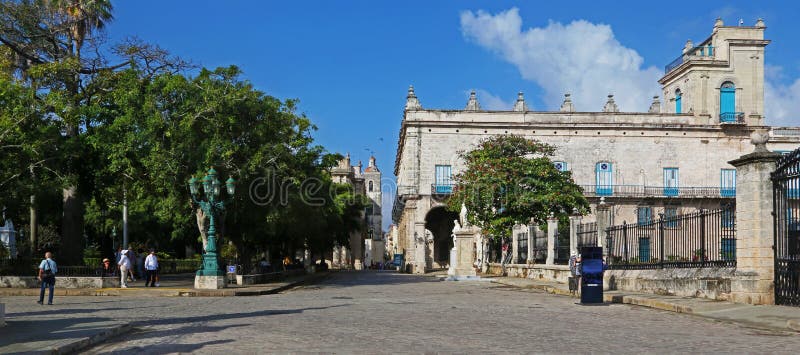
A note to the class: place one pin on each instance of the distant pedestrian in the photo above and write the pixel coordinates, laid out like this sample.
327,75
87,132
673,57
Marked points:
47,275
118,255
575,271
140,256
132,268
107,270
124,266
151,268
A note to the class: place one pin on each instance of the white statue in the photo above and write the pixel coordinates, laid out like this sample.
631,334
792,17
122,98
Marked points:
456,226
463,215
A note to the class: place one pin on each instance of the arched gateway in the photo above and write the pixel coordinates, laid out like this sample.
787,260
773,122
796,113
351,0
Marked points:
439,222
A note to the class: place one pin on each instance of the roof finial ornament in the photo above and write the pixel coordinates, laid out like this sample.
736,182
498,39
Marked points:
610,106
472,104
412,103
520,105
718,22
655,106
567,105
741,22
760,23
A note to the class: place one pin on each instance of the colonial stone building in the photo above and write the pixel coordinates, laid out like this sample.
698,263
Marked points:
364,243
672,159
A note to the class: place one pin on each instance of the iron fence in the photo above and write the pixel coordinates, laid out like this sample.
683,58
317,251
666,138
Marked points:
522,247
699,239
561,256
786,219
587,234
539,248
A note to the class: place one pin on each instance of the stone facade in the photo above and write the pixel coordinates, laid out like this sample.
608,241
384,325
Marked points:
637,161
365,182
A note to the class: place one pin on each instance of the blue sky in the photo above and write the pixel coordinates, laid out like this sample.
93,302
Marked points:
350,62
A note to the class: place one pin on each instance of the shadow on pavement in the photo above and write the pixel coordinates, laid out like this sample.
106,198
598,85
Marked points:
373,278
50,311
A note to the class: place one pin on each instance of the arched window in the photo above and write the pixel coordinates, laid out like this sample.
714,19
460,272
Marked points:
727,102
678,101
370,186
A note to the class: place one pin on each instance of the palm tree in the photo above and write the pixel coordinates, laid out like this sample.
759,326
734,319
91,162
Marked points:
86,16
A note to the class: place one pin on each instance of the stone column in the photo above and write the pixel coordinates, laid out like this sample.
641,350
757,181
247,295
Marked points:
514,244
755,268
574,221
552,227
465,253
420,248
603,212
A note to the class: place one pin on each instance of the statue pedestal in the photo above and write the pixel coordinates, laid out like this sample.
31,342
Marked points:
465,253
209,282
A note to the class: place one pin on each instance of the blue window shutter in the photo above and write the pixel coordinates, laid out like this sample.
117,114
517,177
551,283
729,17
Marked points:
727,102
644,249
728,182
670,181
678,103
604,179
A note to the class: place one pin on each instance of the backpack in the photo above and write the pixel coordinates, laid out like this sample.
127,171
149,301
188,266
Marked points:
48,272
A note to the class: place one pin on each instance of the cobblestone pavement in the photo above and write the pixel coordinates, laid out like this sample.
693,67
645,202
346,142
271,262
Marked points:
379,312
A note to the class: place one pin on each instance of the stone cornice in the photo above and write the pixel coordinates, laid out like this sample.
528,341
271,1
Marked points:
755,157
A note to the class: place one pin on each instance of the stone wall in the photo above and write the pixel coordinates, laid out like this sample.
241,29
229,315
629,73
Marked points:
61,282
711,283
557,273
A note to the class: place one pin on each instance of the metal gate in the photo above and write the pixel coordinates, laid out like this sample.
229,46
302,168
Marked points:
786,215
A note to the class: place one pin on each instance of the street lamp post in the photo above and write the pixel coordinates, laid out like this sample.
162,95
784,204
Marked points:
210,275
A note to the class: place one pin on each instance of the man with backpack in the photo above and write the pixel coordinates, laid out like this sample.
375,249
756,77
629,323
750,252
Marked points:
47,275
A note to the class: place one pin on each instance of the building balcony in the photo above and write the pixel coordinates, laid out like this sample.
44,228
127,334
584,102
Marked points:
696,53
442,189
732,117
657,191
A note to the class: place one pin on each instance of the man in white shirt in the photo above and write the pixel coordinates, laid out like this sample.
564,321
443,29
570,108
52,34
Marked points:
151,268
124,265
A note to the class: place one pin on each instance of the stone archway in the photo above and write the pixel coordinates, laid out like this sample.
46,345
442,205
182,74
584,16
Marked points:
439,221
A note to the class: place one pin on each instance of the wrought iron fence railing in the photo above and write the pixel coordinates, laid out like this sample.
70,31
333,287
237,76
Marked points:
587,234
699,239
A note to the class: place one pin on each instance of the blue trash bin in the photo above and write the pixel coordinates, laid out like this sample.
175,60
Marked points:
591,274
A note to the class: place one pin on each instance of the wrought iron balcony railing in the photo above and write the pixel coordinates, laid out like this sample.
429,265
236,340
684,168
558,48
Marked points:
656,191
696,53
731,117
442,189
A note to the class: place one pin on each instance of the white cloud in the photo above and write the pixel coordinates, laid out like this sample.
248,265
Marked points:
492,102
782,103
581,58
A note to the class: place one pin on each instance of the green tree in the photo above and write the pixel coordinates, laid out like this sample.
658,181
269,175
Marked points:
510,179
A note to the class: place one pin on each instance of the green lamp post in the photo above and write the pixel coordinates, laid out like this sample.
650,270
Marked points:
212,206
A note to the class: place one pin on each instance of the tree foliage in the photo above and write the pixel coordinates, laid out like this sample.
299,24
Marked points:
129,123
510,180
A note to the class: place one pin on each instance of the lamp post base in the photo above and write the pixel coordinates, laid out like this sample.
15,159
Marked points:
209,282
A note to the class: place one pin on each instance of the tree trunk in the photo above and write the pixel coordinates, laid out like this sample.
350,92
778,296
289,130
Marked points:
71,228
34,225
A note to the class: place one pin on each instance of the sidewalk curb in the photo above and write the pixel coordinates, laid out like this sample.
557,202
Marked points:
167,292
78,345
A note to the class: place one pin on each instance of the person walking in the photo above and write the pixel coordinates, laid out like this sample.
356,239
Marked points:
124,265
47,275
151,268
